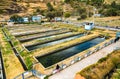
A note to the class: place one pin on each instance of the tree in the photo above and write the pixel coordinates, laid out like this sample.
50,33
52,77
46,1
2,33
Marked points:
97,3
16,18
113,4
50,15
67,1
30,18
67,15
111,12
1,11
50,7
38,10
58,13
83,16
81,10
88,1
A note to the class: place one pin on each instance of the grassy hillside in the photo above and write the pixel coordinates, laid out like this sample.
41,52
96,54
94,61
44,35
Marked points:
9,7
29,7
110,1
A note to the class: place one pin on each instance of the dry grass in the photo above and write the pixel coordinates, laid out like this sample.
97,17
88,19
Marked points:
12,65
104,21
110,1
110,23
102,67
100,19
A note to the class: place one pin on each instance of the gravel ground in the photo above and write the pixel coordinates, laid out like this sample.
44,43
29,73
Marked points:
70,72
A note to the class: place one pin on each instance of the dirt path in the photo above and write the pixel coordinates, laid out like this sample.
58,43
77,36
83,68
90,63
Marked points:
69,73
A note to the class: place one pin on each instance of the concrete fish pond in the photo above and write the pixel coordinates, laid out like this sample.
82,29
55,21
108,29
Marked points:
58,56
49,43
39,35
43,47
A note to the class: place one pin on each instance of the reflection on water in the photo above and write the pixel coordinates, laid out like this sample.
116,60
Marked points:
53,58
53,43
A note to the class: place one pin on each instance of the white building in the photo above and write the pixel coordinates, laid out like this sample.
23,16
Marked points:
89,25
25,19
58,19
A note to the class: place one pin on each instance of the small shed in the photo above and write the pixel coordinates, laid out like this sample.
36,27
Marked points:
89,25
25,19
118,34
36,18
58,19
97,15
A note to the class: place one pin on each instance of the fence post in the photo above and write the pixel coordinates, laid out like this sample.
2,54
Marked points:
23,76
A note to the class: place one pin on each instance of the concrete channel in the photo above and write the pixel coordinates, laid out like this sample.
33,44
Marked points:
53,42
40,36
15,51
52,38
34,32
2,70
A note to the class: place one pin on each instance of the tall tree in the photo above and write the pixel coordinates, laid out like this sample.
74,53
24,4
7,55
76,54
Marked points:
113,4
50,15
16,18
67,1
50,7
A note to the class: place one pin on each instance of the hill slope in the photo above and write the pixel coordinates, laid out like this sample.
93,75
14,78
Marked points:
110,1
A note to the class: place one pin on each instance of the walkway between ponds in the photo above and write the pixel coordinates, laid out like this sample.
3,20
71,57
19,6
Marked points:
70,72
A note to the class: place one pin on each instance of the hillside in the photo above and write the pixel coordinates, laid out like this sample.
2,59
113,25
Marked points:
29,7
10,6
110,1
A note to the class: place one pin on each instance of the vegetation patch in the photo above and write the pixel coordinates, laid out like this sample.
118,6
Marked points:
21,50
116,73
102,67
11,64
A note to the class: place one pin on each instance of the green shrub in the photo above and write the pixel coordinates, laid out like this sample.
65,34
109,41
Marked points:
83,16
79,18
46,77
1,11
67,15
103,66
118,66
28,63
102,60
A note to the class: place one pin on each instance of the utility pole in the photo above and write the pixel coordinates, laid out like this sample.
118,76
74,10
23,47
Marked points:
94,10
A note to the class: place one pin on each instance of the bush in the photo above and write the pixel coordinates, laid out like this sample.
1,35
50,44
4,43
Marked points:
83,16
111,12
102,67
16,18
1,11
102,59
67,15
118,66
79,18
67,1
50,7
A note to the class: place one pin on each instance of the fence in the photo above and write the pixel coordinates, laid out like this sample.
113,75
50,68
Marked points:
78,58
30,73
